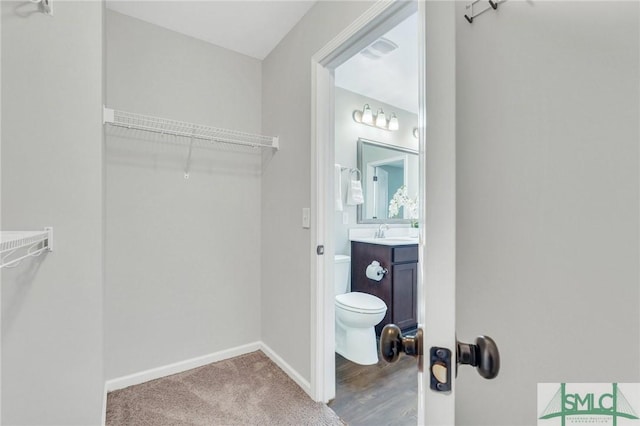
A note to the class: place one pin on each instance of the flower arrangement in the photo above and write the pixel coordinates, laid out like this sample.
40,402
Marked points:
401,199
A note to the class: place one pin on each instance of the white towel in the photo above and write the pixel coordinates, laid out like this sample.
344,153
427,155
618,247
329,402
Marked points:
354,193
337,187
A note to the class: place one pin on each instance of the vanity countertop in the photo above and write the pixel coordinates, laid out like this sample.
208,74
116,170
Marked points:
394,236
388,241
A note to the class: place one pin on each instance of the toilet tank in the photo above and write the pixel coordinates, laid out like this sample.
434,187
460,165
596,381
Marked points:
341,273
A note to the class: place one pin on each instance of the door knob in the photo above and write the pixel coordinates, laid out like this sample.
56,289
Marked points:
393,343
484,355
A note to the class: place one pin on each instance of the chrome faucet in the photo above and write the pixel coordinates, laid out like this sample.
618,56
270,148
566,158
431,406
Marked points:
381,230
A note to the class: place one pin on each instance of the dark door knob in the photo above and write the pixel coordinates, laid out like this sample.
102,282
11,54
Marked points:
393,343
484,355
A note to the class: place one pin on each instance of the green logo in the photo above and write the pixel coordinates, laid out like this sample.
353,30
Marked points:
566,404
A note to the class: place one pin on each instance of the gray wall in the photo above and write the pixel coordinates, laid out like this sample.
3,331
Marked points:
286,100
347,133
547,232
182,256
52,175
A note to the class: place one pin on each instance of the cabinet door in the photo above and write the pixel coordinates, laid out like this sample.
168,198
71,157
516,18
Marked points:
362,254
405,283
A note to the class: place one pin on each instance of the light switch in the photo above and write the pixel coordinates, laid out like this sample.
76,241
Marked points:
345,218
306,218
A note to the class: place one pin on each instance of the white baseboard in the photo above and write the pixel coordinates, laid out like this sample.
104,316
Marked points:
179,367
291,372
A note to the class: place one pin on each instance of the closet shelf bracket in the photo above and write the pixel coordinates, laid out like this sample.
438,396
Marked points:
23,244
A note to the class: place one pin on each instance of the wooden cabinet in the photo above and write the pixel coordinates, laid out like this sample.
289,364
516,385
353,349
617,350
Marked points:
398,288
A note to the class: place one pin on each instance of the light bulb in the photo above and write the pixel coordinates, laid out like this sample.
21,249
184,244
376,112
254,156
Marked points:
393,122
381,120
367,115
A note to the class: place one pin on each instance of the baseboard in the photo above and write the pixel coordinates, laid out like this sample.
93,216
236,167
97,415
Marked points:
291,372
179,367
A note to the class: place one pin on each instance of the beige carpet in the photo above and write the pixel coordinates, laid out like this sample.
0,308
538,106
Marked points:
247,390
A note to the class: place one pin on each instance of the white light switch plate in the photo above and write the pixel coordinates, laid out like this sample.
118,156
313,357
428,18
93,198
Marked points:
306,218
345,218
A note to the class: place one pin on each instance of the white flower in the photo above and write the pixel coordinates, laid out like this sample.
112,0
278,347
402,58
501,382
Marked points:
401,199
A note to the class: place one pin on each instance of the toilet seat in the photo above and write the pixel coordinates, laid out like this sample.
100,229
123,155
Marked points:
360,302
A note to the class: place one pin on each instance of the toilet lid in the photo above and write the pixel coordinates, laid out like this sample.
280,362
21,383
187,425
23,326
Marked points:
361,302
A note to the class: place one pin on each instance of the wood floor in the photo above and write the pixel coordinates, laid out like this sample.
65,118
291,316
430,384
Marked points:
376,395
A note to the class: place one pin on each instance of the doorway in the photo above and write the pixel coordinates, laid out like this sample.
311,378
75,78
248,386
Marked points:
437,175
372,153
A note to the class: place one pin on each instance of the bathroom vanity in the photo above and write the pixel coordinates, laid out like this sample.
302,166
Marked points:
398,287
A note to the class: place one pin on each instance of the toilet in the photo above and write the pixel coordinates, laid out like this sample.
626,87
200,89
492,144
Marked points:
356,316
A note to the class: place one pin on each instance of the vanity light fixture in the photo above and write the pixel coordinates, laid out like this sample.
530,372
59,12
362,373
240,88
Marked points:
393,122
379,120
367,115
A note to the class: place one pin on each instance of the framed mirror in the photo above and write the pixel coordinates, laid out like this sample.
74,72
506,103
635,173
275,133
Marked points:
389,174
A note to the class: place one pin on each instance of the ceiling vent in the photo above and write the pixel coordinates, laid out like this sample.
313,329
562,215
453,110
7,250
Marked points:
379,48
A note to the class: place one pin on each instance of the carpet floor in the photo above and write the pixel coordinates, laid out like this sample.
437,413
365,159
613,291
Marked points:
246,390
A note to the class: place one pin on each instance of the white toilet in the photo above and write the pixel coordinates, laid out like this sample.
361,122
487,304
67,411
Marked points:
356,316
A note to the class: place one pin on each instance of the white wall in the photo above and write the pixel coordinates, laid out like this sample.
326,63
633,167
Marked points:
182,256
52,175
347,133
286,100
547,232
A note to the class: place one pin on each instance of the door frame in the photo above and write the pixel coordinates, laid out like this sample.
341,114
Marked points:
437,275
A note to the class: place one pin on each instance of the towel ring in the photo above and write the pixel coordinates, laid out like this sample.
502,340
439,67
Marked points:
352,171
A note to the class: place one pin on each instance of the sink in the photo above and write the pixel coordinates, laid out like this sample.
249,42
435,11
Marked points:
388,241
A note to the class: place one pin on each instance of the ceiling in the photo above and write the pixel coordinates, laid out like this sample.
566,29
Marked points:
252,28
393,78
255,27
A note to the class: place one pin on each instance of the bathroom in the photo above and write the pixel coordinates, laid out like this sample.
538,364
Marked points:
163,260
376,145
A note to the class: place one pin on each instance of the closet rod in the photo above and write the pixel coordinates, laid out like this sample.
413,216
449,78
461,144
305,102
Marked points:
193,131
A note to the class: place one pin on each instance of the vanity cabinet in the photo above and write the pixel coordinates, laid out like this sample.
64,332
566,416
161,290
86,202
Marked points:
398,288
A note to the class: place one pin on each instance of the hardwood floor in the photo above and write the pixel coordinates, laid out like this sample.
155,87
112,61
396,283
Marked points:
376,395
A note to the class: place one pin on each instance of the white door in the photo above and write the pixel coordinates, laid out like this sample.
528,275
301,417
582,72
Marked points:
436,287
436,295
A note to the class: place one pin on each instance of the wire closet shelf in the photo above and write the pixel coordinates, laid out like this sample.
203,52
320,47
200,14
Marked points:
192,131
25,244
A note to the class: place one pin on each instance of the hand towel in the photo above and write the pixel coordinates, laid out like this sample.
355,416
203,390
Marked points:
354,193
337,187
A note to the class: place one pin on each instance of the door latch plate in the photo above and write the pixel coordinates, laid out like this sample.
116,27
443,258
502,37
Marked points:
440,369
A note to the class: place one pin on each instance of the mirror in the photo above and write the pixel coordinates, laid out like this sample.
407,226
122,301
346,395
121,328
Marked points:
387,171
